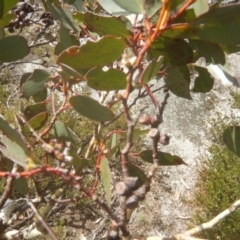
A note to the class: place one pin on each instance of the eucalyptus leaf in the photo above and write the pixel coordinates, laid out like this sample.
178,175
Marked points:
151,70
219,25
35,83
204,81
164,159
105,25
109,80
231,138
64,133
132,6
106,178
91,109
13,48
93,54
176,82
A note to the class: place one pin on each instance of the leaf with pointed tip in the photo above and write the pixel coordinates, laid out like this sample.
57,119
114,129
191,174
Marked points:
132,6
105,25
13,48
151,70
64,16
16,153
91,109
135,171
106,178
71,123
212,52
204,81
177,83
32,110
64,133
231,137
164,159
109,80
21,185
14,139
35,83
93,54
36,122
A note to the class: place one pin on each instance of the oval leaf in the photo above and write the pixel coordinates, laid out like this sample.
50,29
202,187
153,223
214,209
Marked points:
164,159
109,80
13,48
35,83
106,178
91,109
204,81
177,83
64,133
219,25
93,54
105,25
231,138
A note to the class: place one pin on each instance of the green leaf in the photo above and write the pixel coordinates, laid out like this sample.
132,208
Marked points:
231,138
200,7
36,122
164,159
16,153
40,96
137,132
6,19
177,83
34,109
109,80
204,81
132,6
212,52
93,54
106,178
105,25
64,133
64,16
151,70
135,171
71,123
112,8
12,140
35,83
65,40
152,7
176,52
220,25
6,6
13,48
21,185
91,109
69,74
